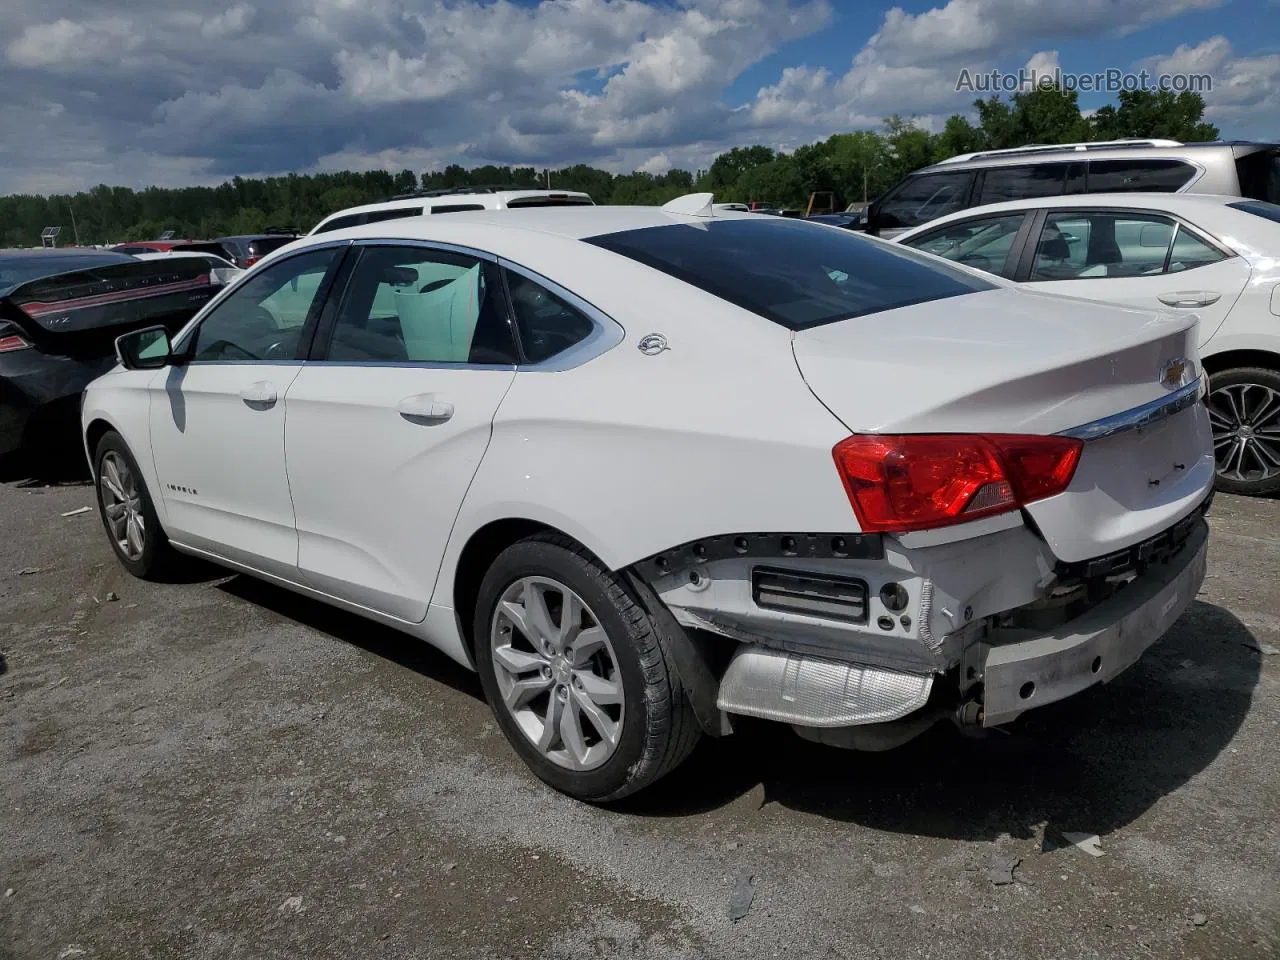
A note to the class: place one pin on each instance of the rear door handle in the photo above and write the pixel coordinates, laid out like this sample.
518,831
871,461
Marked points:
259,394
1190,298
425,408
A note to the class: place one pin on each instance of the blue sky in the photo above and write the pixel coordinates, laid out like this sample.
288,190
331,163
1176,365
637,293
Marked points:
171,92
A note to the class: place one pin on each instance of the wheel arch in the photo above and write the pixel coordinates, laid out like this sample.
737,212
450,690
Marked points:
97,428
1232,359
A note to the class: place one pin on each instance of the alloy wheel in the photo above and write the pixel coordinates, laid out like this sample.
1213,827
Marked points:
1245,418
557,673
122,504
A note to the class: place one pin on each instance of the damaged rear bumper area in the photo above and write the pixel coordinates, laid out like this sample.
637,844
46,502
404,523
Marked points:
869,649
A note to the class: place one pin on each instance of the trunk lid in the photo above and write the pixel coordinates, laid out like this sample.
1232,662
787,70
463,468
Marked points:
80,313
1007,361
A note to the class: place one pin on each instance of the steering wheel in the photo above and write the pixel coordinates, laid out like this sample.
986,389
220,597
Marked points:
223,347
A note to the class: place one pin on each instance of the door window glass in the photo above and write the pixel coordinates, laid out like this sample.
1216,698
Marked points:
1024,182
984,243
1092,245
923,198
418,305
264,317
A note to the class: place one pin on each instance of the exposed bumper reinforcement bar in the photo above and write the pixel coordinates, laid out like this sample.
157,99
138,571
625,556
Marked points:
1096,646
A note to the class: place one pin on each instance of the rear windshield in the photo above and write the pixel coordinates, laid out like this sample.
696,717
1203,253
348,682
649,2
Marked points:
22,269
550,201
1268,211
794,273
265,245
1259,174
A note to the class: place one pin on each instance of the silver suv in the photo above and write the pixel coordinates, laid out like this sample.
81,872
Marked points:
1234,168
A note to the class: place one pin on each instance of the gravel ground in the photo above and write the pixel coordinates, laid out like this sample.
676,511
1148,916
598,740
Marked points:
221,769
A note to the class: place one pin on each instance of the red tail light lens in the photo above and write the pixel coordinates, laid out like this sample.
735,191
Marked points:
249,262
10,343
920,481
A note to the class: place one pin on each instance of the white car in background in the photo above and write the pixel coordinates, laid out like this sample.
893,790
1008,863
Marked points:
643,492
459,200
1215,258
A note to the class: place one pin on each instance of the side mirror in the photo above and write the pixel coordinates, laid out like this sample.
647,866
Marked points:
145,349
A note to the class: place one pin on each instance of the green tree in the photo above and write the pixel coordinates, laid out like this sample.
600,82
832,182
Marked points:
1154,113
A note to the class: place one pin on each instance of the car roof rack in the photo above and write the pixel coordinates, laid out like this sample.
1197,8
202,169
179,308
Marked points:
453,191
1033,148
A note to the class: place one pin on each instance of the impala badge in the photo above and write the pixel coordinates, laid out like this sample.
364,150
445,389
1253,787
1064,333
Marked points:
653,344
1173,373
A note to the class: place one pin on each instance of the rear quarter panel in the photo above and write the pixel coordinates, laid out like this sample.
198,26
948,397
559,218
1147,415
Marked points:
632,454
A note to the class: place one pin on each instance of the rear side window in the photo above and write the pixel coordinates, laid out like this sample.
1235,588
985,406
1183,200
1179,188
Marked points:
1259,174
1094,245
1138,176
794,273
922,198
1028,181
547,324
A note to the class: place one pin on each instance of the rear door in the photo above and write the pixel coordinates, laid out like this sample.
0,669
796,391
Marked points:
387,424
1137,258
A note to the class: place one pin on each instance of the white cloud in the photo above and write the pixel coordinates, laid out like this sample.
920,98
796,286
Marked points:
105,90
1246,90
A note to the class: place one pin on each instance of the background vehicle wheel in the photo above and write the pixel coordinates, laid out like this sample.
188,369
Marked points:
127,512
1244,410
573,669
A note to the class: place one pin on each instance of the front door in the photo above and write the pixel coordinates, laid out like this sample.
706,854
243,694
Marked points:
386,427
217,419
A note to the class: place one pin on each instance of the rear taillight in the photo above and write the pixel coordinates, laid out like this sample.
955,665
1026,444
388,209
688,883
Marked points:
11,342
920,481
249,262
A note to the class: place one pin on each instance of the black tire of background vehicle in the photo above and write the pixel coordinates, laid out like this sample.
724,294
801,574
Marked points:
659,728
158,557
1237,375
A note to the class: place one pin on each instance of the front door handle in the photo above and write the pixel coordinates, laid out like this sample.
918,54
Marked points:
259,395
1190,298
425,408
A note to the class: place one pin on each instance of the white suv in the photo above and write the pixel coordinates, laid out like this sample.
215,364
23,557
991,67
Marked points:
450,201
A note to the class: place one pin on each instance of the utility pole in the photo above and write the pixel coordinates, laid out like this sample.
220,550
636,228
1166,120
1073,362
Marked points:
74,228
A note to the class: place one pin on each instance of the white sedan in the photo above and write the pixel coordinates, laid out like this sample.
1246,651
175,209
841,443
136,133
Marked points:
648,470
1214,258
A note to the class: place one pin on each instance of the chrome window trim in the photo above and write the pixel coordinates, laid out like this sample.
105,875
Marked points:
1140,416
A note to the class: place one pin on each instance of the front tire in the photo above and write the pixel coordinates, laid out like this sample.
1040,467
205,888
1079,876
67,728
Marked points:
575,674
1244,411
127,511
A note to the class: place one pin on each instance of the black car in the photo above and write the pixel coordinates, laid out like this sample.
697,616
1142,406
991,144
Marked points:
60,312
850,221
247,249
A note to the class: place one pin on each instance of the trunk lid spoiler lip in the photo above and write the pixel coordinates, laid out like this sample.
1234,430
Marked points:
82,312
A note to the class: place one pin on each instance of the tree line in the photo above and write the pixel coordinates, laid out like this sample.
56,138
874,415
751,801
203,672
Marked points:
850,166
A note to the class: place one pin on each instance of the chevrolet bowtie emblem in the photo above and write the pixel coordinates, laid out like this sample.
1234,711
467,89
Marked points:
1172,373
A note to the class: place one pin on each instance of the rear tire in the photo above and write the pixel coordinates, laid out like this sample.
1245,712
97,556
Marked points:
1244,410
128,513
642,726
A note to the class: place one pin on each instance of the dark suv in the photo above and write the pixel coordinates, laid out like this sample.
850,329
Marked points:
247,249
1238,169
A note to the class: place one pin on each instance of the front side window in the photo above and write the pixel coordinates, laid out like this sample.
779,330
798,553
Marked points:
420,305
263,318
794,273
1028,181
1085,245
984,243
1139,176
922,198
